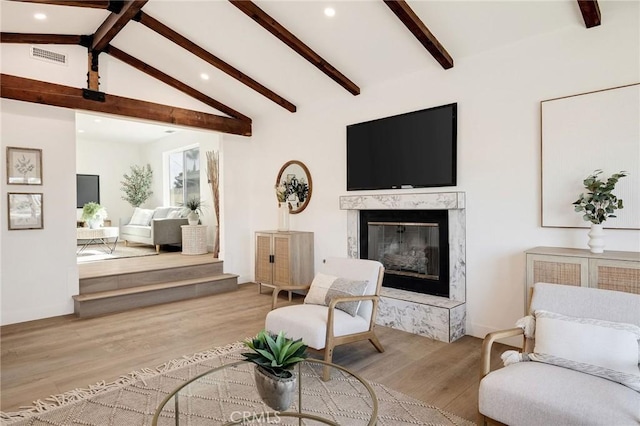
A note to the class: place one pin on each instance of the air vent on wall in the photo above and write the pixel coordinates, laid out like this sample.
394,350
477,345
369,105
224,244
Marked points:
48,56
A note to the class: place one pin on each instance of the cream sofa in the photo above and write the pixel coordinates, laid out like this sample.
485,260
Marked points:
548,390
157,227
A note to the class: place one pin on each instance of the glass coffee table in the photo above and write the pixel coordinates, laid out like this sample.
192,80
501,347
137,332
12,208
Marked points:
227,395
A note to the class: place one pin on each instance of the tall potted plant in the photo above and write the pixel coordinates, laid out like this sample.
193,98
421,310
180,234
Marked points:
275,356
137,185
598,205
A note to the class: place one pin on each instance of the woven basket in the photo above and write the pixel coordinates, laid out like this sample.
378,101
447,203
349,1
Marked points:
194,239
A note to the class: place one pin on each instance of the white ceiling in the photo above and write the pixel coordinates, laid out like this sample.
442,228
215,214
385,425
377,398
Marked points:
103,128
365,41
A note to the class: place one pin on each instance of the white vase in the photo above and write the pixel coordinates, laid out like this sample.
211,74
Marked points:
596,238
193,218
95,223
283,217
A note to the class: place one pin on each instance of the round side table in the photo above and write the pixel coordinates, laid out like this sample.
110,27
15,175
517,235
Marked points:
194,239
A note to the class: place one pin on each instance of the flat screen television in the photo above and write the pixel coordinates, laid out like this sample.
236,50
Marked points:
87,189
412,150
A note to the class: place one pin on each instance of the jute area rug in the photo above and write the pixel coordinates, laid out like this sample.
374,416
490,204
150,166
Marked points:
132,400
97,252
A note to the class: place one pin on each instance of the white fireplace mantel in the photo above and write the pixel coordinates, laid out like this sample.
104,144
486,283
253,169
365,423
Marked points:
431,316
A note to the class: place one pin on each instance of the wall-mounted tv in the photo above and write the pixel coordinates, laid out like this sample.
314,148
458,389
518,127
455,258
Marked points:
87,189
412,150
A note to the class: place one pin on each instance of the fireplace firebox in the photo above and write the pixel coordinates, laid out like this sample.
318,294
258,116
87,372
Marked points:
413,246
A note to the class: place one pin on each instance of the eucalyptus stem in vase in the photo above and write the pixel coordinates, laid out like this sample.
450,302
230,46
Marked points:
598,205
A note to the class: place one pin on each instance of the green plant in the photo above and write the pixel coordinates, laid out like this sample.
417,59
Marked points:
194,204
275,353
599,203
137,185
92,210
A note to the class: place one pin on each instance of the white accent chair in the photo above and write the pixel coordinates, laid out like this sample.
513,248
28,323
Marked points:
537,393
325,327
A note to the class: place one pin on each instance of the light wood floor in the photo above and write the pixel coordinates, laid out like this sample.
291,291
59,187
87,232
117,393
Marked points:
54,355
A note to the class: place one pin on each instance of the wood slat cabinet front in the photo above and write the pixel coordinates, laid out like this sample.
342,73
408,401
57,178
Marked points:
611,270
284,258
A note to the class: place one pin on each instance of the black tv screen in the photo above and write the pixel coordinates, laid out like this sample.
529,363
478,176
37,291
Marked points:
412,150
87,189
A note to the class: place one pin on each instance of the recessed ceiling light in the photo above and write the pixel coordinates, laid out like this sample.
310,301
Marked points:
80,131
330,12
40,16
97,120
204,76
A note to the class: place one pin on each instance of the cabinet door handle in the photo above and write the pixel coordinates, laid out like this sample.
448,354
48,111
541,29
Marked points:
272,258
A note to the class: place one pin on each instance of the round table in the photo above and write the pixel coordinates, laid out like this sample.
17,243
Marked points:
98,235
227,395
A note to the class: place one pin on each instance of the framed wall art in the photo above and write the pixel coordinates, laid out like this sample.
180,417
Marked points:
25,210
582,133
24,166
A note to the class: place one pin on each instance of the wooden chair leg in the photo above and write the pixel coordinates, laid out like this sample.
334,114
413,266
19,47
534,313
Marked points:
326,370
158,248
376,343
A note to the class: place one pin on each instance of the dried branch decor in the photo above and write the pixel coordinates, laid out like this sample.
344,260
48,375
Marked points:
213,173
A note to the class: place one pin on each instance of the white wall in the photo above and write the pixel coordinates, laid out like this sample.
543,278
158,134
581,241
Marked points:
498,95
110,161
39,271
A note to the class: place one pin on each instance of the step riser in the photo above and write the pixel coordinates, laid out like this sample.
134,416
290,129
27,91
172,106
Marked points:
92,308
115,282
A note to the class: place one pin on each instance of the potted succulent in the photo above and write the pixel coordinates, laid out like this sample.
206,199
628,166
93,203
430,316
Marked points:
598,204
94,214
275,356
194,207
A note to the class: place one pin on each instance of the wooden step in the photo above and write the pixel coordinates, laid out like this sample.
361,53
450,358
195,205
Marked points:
122,299
119,274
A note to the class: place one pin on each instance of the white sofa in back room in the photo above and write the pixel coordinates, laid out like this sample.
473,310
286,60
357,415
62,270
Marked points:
159,226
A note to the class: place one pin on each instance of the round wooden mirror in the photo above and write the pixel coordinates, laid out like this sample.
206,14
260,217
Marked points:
294,180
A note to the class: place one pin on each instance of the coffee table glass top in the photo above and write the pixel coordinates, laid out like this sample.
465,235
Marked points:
228,395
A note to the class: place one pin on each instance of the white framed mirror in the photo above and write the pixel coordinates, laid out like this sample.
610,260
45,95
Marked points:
294,180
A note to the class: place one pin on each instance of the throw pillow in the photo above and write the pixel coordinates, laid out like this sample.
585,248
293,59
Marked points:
175,214
141,217
162,212
602,348
325,287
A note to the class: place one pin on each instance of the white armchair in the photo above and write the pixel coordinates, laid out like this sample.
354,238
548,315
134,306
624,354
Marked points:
325,327
584,362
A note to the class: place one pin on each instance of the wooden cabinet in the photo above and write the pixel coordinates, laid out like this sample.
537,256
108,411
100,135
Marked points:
611,270
284,258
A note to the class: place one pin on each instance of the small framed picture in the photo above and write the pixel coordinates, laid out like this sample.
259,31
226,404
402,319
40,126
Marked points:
24,166
25,210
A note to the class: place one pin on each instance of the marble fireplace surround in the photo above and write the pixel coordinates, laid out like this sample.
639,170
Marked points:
438,318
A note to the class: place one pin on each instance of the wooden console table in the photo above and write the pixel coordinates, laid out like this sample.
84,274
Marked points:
611,270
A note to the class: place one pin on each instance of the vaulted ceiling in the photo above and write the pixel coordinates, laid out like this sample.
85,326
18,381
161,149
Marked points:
266,56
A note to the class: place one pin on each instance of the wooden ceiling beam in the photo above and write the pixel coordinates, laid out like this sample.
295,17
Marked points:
268,23
413,23
42,38
28,90
114,23
190,46
590,12
176,84
95,4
